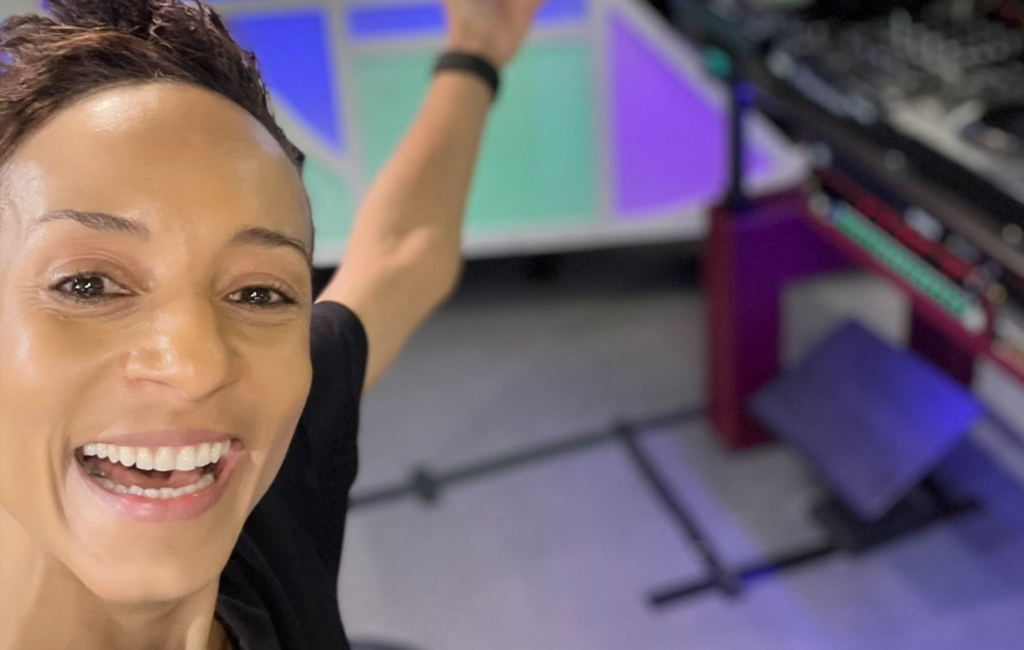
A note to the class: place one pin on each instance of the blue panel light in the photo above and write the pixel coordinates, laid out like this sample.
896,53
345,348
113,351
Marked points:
297,64
427,19
562,11
383,21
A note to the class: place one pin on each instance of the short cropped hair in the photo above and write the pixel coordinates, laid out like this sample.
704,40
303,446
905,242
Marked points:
47,62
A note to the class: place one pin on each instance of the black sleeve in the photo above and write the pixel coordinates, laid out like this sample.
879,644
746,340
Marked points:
338,348
321,464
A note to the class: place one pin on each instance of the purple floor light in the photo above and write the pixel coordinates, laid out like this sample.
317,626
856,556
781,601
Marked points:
875,421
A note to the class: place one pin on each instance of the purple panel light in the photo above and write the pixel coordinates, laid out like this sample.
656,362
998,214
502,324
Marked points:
669,142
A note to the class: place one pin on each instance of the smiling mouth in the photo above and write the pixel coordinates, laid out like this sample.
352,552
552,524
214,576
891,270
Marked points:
160,474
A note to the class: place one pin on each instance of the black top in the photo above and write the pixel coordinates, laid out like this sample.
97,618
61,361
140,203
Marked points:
279,588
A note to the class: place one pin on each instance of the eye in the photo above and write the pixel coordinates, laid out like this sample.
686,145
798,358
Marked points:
89,288
261,296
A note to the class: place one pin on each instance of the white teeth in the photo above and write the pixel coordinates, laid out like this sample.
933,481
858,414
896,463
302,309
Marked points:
186,460
127,456
164,459
160,495
203,455
143,458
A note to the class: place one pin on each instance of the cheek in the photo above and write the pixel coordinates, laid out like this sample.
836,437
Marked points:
50,368
278,381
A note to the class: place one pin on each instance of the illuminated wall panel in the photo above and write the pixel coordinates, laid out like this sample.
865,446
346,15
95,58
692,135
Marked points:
539,158
332,201
368,21
295,58
666,135
608,129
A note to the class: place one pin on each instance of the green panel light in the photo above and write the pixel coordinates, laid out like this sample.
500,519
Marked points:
541,135
333,207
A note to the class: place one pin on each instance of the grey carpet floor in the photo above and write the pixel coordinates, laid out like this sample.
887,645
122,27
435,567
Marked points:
563,553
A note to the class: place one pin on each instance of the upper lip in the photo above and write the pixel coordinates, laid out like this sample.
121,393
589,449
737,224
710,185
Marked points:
164,438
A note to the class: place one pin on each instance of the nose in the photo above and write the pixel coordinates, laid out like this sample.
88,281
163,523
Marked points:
185,348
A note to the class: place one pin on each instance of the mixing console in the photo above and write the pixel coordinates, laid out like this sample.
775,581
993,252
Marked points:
930,98
951,79
899,58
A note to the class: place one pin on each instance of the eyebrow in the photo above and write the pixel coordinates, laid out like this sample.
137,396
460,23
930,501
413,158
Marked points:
97,221
272,239
103,222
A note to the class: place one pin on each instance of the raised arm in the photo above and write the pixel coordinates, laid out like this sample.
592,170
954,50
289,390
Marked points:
404,257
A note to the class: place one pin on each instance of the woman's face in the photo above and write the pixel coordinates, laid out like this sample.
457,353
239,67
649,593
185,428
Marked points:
154,299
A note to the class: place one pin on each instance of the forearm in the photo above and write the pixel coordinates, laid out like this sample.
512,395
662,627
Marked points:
419,199
405,254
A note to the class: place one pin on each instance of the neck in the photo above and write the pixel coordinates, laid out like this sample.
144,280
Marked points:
43,605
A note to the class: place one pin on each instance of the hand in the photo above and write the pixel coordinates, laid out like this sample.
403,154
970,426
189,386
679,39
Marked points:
493,29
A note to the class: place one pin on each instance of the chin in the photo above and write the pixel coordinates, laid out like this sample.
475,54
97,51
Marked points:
140,585
158,574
